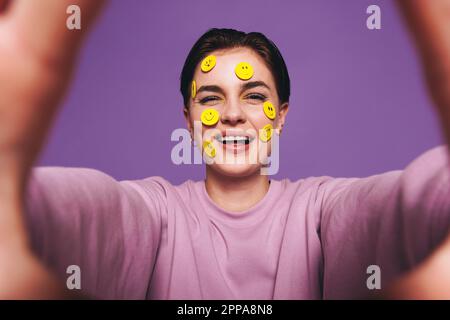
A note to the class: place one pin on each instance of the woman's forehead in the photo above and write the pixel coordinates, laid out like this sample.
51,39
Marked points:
224,70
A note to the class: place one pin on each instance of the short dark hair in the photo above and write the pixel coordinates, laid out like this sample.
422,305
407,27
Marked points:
216,39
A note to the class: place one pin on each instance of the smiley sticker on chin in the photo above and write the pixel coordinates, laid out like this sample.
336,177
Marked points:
209,149
265,134
209,117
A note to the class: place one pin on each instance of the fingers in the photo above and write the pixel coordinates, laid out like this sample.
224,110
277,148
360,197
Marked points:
41,25
3,5
429,22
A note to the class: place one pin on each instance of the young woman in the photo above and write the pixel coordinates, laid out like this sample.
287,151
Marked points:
236,235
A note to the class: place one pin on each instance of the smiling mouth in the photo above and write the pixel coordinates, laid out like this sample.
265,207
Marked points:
234,139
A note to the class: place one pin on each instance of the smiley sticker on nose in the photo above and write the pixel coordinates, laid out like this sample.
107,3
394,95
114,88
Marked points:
209,117
265,134
209,149
244,71
208,63
193,89
269,110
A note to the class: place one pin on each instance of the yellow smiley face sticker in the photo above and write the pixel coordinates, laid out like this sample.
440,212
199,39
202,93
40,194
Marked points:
193,89
269,110
209,117
265,134
209,149
208,63
244,71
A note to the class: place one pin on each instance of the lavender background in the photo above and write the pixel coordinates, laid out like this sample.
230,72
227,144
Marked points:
358,107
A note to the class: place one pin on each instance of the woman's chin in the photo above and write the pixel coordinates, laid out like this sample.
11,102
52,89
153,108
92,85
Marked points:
236,170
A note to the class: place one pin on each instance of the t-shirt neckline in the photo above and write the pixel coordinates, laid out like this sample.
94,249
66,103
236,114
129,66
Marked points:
245,218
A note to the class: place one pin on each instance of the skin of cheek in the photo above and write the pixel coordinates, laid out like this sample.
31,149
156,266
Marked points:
258,120
255,120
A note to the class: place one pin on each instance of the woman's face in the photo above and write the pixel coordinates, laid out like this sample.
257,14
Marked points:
238,148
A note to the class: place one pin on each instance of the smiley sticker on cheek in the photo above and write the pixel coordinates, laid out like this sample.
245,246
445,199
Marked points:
208,63
209,117
209,149
269,110
265,134
193,89
244,71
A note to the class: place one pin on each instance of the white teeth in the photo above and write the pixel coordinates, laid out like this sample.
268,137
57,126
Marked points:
233,139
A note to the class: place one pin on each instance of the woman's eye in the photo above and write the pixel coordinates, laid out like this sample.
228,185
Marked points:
256,96
209,99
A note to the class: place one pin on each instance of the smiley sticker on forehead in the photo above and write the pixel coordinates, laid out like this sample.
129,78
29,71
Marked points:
244,71
208,63
269,110
209,117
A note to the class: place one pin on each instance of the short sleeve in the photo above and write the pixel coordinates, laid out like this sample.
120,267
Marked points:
111,230
392,220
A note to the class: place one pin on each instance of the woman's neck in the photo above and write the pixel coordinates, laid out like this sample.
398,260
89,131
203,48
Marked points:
236,194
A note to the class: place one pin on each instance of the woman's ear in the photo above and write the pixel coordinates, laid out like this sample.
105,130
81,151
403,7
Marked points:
187,116
284,108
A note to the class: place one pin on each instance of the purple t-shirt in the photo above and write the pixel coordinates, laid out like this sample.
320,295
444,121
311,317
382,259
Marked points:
308,239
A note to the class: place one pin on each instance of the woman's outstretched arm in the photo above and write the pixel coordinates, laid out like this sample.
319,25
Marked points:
429,22
37,54
399,220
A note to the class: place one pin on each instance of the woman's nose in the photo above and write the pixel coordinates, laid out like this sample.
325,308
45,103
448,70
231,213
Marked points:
233,113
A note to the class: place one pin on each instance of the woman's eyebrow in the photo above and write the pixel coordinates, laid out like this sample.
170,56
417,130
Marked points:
210,88
254,84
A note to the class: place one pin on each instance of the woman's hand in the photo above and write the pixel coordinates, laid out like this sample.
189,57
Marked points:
430,280
37,54
429,21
